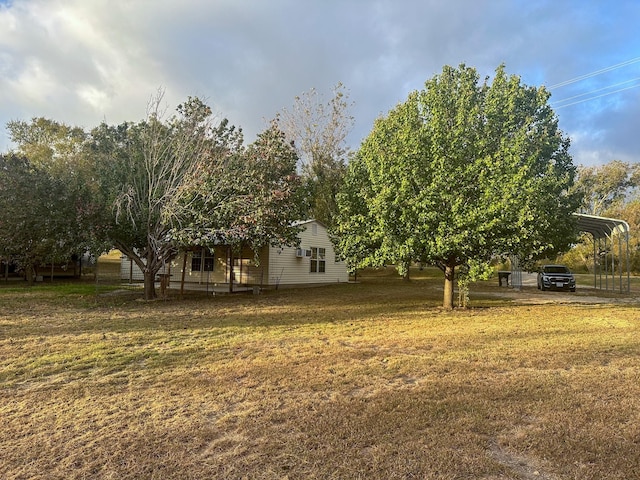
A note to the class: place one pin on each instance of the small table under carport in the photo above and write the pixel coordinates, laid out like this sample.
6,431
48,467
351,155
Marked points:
503,275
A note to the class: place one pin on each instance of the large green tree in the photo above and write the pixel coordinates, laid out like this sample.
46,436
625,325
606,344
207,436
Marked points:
48,186
49,143
355,231
173,183
243,197
31,223
463,170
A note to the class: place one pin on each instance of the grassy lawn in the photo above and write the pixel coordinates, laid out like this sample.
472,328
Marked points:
359,381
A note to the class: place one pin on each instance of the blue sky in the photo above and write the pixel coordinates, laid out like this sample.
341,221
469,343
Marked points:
83,62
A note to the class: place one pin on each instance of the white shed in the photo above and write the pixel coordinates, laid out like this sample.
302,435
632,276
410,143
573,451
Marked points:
314,262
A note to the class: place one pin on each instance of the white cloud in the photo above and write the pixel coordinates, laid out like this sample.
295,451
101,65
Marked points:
96,98
82,61
34,83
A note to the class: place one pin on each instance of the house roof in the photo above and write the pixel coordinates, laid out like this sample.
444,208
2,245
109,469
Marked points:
311,220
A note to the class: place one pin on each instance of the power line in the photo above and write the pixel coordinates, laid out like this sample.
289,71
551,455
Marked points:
593,74
598,90
597,96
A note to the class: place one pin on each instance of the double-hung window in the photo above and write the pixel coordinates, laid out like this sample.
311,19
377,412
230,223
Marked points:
202,261
318,261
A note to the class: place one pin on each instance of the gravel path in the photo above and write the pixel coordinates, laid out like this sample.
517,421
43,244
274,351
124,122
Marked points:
529,294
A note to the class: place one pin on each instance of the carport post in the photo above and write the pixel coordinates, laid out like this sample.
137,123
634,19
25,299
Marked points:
600,262
516,273
595,275
628,266
606,266
620,256
613,264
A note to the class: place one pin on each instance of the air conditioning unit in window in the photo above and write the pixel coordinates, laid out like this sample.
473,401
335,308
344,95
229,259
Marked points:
299,253
307,253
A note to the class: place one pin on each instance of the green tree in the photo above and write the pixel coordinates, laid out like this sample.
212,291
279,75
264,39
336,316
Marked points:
355,231
61,198
50,144
143,168
465,170
319,130
243,197
34,217
607,186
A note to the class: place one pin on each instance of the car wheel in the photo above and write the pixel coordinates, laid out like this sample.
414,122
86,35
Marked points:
572,289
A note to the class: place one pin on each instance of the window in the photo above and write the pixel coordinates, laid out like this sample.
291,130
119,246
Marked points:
318,262
197,259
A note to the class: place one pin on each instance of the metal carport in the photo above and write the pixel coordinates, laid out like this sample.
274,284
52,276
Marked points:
604,231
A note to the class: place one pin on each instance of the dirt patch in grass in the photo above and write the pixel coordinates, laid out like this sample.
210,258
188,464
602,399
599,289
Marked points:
532,296
370,380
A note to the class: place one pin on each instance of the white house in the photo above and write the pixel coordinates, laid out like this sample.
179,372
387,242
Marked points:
314,262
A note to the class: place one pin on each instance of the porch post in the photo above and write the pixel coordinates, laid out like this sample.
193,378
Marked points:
230,260
184,271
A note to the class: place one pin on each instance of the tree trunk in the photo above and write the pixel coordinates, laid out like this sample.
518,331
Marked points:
149,285
406,276
449,275
29,274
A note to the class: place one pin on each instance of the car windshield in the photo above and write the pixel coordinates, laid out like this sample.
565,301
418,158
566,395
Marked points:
556,269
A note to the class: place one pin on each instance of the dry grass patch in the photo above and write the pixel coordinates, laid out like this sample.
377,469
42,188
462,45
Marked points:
353,381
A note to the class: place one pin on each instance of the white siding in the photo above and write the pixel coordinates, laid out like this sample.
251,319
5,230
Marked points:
130,272
278,266
245,269
202,276
285,268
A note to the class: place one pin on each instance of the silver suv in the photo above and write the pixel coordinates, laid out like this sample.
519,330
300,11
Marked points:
556,277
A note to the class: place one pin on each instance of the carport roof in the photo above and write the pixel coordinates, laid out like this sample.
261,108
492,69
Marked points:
601,227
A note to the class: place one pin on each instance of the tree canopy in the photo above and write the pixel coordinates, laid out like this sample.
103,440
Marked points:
242,196
141,167
148,188
49,210
173,183
607,186
318,130
460,172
